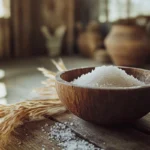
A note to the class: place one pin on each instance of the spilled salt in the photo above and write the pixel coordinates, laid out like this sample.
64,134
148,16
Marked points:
67,139
107,76
43,147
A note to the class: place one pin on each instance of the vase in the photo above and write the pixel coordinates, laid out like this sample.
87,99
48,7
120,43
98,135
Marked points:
128,45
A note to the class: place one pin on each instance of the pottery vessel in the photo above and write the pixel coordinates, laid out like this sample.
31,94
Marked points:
128,45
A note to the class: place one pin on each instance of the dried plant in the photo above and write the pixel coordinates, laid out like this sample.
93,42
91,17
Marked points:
30,110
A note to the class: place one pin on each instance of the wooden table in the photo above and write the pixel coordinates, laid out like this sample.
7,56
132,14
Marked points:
22,76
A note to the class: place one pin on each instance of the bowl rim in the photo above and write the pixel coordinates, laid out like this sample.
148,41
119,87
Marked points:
62,81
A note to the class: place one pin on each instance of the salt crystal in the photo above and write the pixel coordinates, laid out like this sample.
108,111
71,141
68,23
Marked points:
65,122
107,76
43,147
43,130
46,125
71,123
68,140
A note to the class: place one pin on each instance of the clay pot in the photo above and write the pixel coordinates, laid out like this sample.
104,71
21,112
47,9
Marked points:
89,39
127,45
88,42
101,56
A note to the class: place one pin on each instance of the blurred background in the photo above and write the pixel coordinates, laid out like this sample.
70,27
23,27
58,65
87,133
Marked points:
92,28
82,32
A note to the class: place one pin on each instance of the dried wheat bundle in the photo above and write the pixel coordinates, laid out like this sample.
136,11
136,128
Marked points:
11,116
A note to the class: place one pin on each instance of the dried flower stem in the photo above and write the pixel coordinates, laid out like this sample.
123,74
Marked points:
30,110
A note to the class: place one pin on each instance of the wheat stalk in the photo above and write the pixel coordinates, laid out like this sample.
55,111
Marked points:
15,115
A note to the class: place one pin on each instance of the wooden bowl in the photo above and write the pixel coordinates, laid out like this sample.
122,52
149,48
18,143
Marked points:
105,105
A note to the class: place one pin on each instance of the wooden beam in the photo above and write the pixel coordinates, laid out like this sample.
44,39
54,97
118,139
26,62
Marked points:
107,10
128,8
70,26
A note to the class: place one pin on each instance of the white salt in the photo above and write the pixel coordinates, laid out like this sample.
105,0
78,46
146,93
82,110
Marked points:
68,140
107,76
71,123
46,125
43,148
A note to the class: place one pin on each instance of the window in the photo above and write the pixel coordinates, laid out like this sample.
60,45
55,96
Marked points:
140,7
112,10
4,8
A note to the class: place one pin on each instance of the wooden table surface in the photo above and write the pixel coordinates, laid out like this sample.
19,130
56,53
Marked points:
22,77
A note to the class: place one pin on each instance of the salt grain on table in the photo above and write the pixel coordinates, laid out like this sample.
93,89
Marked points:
46,125
68,140
71,123
107,76
43,148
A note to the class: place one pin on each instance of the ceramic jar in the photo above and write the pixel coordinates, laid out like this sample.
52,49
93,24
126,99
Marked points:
128,45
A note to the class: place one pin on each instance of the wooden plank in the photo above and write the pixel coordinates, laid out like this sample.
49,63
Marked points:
143,124
26,28
38,40
6,37
31,137
1,37
70,26
109,138
16,28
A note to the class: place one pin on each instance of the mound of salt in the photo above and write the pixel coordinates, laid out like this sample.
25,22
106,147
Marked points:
107,76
